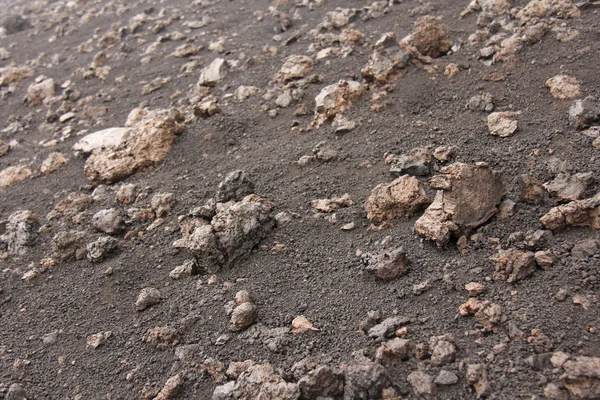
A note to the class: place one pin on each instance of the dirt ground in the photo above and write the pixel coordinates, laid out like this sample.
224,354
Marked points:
307,265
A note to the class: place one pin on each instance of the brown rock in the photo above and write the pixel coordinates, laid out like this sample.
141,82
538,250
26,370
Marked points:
430,37
513,265
170,389
337,98
243,316
443,350
295,67
388,265
330,205
52,163
11,175
490,317
395,349
474,289
576,213
163,337
422,384
563,87
404,196
14,74
531,190
40,92
321,382
567,187
386,60
4,148
477,377
500,123
582,377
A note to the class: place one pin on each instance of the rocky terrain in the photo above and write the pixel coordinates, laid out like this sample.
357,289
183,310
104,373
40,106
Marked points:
299,199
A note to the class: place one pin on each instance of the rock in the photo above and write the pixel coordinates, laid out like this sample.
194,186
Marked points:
235,186
187,269
417,163
387,327
388,265
539,362
214,73
481,102
490,317
513,265
471,306
402,197
444,153
559,358
207,108
162,203
467,197
99,249
321,382
337,98
19,233
107,139
215,368
170,389
301,325
15,23
443,350
108,221
12,75
338,18
551,391
98,339
567,187
365,379
38,93
477,377
422,384
500,123
163,337
243,316
148,297
4,148
373,317
186,50
261,382
584,249
324,153
295,67
474,289
16,392
582,377
11,175
563,87
531,190
150,139
386,60
544,259
67,246
395,349
330,205
582,301
203,244
430,37
244,92
52,163
446,378
576,213
584,113
507,209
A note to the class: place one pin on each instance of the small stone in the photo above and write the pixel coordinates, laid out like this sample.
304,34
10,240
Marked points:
562,294
295,67
11,175
443,350
187,269
330,205
420,288
301,325
481,102
544,259
584,113
100,248
322,382
387,327
500,123
170,389
477,377
531,190
148,297
214,73
235,186
243,316
388,265
422,384
98,339
402,197
430,37
108,221
563,87
507,209
446,378
52,163
474,289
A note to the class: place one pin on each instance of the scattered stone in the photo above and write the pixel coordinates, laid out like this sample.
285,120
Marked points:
430,37
443,350
11,175
38,93
187,269
531,190
422,384
481,102
467,197
186,50
386,60
107,139
576,213
68,245
387,328
16,392
148,297
98,339
258,382
330,205
373,318
324,153
477,377
582,301
507,209
108,221
446,378
337,98
295,67
490,317
162,203
474,289
170,389
365,379
551,391
567,187
98,250
582,377
322,382
52,163
235,186
500,123
402,197
513,265
4,148
301,325
417,163
395,349
584,113
244,314
563,87
163,337
544,259
19,232
388,265
214,73
12,75
444,153
244,92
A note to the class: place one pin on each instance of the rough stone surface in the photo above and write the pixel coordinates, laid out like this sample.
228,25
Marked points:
295,67
148,297
99,249
563,87
404,196
388,265
576,213
108,221
11,175
500,123
513,265
430,37
322,381
365,379
235,186
19,233
422,384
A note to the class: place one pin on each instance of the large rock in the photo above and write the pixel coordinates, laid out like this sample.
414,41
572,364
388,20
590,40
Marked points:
513,265
106,139
13,74
443,350
20,232
395,349
388,265
400,198
422,384
576,213
323,381
234,187
430,37
467,197
582,377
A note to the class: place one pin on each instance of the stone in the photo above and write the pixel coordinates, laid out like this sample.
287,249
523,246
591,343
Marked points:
474,289
417,162
531,190
162,203
301,325
387,328
563,87
365,379
38,93
481,102
422,384
559,358
513,265
170,389
388,265
421,287
98,339
323,381
163,337
544,259
187,269
584,113
337,98
243,316
567,187
507,209
108,221
500,123
330,205
13,74
214,73
584,212
186,50
68,245
467,197
395,349
386,61
477,377
148,297
16,392
15,23
4,148
261,382
443,350
402,197
207,108
444,153
106,139
582,377
203,244
53,162
551,391
99,249
19,232
490,317
244,92
11,175
235,186
430,37
295,67
539,362
584,249
446,378
471,306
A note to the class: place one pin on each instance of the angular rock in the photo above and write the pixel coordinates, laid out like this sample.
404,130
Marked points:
430,37
301,325
67,246
98,339
107,139
365,379
38,93
99,249
477,377
16,392
258,382
12,74
388,265
446,378
243,316
584,249
19,233
422,384
235,186
544,259
52,163
584,113
187,269
214,73
404,196
467,197
443,350
416,163
531,190
500,123
563,87
161,204
244,92
11,175
513,265
337,98
386,60
108,221
481,102
148,297
576,213
567,187
163,337
323,381
295,67
387,328
330,205
582,377
490,317
395,349
170,389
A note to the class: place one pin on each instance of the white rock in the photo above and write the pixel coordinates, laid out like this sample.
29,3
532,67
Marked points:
109,139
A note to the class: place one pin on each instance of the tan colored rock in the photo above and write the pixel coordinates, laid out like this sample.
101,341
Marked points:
11,175
513,265
545,8
4,55
186,50
474,289
330,205
531,190
170,389
38,93
13,74
566,187
337,98
564,87
467,197
163,337
214,73
386,60
477,377
430,37
422,384
295,67
490,317
576,213
98,339
243,316
4,148
471,306
395,349
404,196
582,377
53,162
493,7
301,325
500,123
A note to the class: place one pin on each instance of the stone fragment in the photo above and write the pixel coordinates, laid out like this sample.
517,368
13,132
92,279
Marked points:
584,113
386,61
235,186
243,316
148,297
107,139
531,190
186,50
162,203
301,325
444,153
544,259
365,379
38,93
4,148
567,187
387,328
582,377
388,265
474,289
19,232
489,7
402,197
500,123
395,349
337,98
53,162
467,197
258,382
330,205
422,384
551,391
584,249
98,339
163,337
244,92
481,102
446,378
513,265
416,162
11,175
68,245
187,269
321,382
13,74
214,73
443,350
108,221
99,249
584,212
490,317
430,37
170,389
15,23
295,67
563,87
477,377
